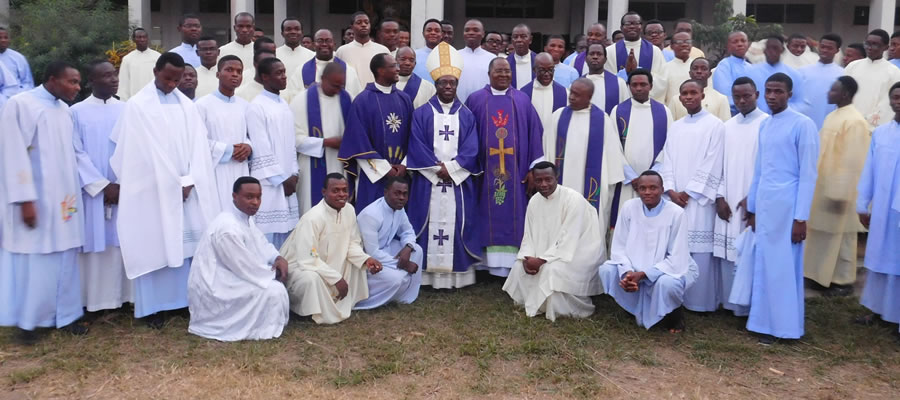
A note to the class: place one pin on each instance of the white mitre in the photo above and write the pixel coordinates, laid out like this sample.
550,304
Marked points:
444,60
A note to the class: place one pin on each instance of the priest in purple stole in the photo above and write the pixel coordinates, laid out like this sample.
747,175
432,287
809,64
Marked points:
377,134
633,52
546,94
521,61
509,135
443,150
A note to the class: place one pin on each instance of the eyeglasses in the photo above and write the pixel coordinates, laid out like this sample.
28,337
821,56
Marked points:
494,41
448,83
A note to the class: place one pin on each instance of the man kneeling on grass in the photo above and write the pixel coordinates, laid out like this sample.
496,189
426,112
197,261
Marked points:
234,291
650,266
555,269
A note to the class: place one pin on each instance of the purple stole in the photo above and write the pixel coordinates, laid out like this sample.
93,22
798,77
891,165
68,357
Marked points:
560,98
579,63
512,66
593,166
412,86
318,170
645,60
623,115
611,81
308,71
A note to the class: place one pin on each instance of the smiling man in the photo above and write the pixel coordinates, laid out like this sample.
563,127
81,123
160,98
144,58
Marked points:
432,31
562,73
311,71
242,45
293,53
634,52
596,34
546,94
713,101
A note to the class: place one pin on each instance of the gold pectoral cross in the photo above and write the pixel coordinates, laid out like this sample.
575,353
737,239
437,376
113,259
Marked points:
502,152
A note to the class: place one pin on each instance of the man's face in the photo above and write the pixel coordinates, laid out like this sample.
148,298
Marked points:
617,36
406,61
433,34
277,79
403,39
777,96
67,85
446,88
307,42
334,83
836,93
348,36
231,74
389,31
556,48
243,29
324,43
650,190
361,26
654,33
141,40
631,27
894,48
493,43
447,33
545,181
580,96
745,97
700,70
292,32
473,33
336,193
827,50
773,51
257,33
190,30
797,46
581,45
396,195
208,50
686,27
391,71
874,47
851,55
895,101
105,79
267,46
596,34
681,45
691,96
188,80
521,40
543,70
737,44
248,198
500,74
596,58
4,40
640,87
167,79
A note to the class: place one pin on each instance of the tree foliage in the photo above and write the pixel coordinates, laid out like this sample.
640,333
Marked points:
76,31
714,37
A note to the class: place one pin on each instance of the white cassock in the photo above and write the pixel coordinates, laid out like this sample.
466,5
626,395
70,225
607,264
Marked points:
39,278
232,291
638,146
875,79
135,72
359,56
242,51
249,89
323,249
576,158
103,281
161,148
207,82
741,139
270,124
806,58
676,72
475,71
524,70
653,242
384,233
713,101
296,86
563,230
313,147
225,119
426,91
599,97
658,92
293,58
693,164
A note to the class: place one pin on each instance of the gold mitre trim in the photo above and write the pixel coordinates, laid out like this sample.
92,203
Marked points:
445,67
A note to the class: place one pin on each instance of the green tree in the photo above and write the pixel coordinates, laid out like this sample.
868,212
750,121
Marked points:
714,37
77,31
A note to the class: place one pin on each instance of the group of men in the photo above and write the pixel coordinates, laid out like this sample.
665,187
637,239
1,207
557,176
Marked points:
246,181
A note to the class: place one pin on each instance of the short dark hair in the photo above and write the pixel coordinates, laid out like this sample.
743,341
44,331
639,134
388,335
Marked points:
834,37
333,176
186,17
332,68
783,78
651,172
491,64
849,84
690,81
378,61
895,34
243,181
545,165
356,14
616,32
885,39
173,59
89,69
744,81
225,59
206,38
265,67
641,71
258,29
601,46
56,68
622,20
244,14
858,47
555,36
896,85
700,58
682,21
796,36
654,21
776,37
257,45
291,19
446,22
430,20
388,20
256,54
136,31
390,180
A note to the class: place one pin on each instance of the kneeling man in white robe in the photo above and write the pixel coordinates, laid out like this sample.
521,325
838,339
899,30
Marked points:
326,262
555,270
389,237
650,266
235,289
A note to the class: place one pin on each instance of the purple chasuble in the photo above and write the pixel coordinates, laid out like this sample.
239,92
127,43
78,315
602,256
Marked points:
509,132
623,115
645,60
512,66
594,160
560,98
308,71
466,243
412,86
377,129
318,170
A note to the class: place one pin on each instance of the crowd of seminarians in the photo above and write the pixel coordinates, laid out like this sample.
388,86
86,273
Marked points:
248,182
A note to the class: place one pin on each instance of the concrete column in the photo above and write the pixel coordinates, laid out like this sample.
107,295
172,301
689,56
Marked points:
279,15
238,6
738,7
4,13
591,12
421,11
138,14
881,15
615,10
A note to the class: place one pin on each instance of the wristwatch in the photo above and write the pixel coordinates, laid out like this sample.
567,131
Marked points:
410,246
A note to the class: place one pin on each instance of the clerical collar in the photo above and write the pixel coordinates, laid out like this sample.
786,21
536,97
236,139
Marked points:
325,61
218,93
652,212
698,114
499,92
170,98
240,215
242,45
274,97
750,114
98,100
190,46
383,89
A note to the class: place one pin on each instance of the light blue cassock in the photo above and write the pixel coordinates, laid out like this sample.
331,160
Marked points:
817,81
9,84
668,54
784,178
727,71
188,53
384,233
565,75
18,65
421,70
762,71
879,186
896,62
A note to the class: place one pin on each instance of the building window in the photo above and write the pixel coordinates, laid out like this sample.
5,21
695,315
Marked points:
661,10
861,15
783,13
509,8
265,6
